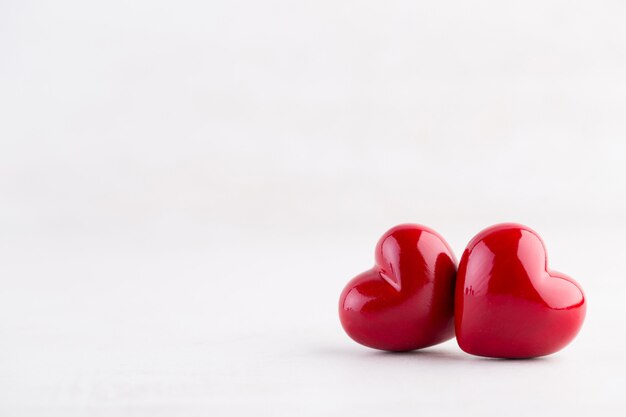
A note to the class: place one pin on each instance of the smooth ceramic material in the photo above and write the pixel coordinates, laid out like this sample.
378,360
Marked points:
406,301
508,303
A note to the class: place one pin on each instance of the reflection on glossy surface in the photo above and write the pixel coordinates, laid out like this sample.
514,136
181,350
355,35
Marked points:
406,301
508,303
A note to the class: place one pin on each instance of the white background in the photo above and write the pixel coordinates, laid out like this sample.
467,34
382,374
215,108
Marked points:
185,187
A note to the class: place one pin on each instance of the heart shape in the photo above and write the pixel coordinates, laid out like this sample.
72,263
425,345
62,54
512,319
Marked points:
406,301
508,304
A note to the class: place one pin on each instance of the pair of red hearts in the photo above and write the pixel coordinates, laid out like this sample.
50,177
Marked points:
503,301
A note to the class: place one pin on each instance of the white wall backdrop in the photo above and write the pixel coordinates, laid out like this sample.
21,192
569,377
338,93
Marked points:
185,187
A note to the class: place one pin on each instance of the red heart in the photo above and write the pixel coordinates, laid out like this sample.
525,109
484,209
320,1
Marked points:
507,303
406,301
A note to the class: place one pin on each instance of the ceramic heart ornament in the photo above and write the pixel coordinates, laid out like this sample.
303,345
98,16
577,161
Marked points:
406,301
508,304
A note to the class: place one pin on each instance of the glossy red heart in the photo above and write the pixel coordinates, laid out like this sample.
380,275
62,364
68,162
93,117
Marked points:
508,304
406,301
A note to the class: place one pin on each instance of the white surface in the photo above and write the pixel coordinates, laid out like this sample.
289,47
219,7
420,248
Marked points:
187,187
